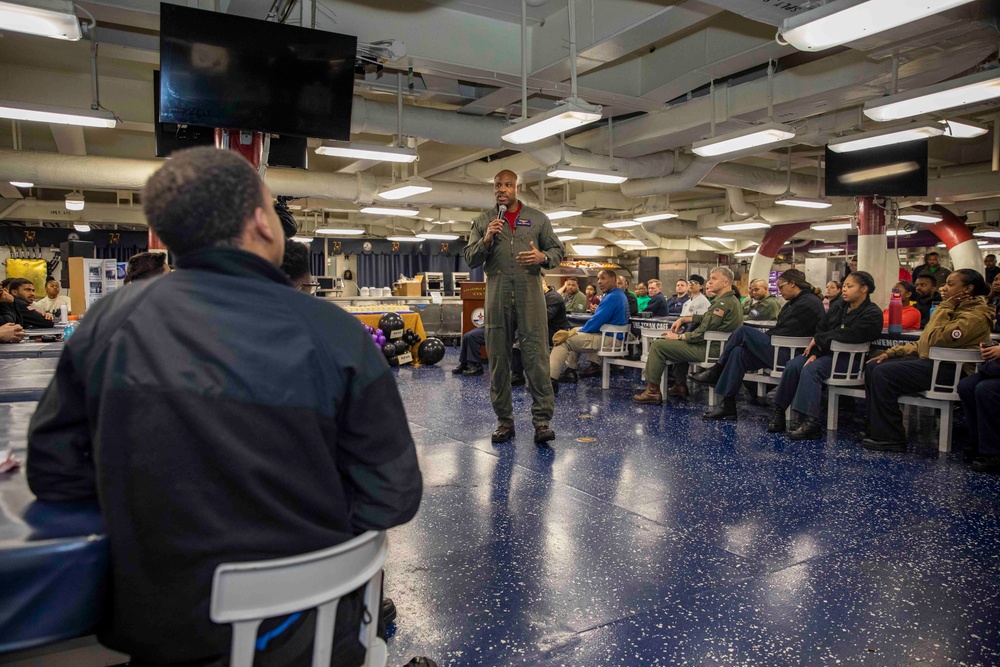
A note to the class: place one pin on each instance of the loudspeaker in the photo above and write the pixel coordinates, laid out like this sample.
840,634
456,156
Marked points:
649,268
69,249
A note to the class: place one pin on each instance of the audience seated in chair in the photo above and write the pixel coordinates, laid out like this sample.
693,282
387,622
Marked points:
658,305
683,348
926,296
565,355
749,348
633,302
851,319
641,296
759,304
53,302
980,393
573,298
962,320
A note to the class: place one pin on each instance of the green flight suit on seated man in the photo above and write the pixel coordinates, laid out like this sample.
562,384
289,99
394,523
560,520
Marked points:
513,248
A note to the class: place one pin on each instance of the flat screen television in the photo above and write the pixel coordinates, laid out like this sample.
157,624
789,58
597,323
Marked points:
889,171
285,150
218,70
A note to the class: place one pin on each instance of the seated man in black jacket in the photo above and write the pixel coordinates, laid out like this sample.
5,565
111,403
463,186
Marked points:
749,348
23,291
851,319
658,305
926,297
257,438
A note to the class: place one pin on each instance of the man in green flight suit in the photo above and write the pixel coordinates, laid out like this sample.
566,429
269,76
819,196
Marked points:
514,243
760,305
725,314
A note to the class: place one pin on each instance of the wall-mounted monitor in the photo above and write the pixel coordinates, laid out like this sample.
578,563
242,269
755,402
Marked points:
218,70
889,171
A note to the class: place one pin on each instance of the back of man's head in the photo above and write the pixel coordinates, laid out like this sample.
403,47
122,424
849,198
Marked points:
201,198
295,263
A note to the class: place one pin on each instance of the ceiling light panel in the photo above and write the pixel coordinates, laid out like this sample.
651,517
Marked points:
585,174
44,113
960,92
359,151
752,137
43,18
886,137
567,115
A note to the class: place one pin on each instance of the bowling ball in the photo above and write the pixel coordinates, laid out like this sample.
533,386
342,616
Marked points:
389,350
431,351
390,322
402,347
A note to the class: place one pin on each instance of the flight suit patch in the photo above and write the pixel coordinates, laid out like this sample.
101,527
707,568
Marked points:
523,222
956,334
718,312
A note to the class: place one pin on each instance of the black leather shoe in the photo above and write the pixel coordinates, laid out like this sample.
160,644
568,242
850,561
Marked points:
591,371
473,369
709,375
777,424
725,410
809,429
517,379
503,434
986,464
569,376
457,370
883,445
421,662
555,386
543,434
388,612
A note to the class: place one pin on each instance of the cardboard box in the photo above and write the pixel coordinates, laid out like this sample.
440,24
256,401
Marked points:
408,289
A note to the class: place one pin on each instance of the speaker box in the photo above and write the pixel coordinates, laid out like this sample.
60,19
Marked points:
69,249
649,268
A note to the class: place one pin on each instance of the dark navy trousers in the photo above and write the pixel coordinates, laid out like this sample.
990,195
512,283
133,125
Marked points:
801,386
748,349
981,402
885,383
472,347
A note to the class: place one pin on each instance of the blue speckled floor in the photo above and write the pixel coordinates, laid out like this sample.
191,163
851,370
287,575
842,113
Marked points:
669,540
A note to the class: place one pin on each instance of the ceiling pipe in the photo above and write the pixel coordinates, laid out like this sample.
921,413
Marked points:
738,203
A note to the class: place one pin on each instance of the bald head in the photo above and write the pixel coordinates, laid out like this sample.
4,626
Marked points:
505,189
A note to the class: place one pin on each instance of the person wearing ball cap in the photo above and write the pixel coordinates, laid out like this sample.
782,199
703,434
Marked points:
514,242
961,321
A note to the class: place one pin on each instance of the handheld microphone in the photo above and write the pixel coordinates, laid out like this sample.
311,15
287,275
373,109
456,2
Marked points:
502,209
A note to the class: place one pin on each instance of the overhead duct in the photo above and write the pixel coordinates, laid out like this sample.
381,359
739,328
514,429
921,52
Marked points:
738,203
447,127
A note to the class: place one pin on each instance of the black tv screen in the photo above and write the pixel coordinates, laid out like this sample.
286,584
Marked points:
233,72
890,171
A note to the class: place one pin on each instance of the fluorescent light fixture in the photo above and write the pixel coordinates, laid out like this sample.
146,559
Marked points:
60,115
992,234
981,242
566,115
411,187
22,184
960,92
717,239
862,175
405,239
562,230
803,202
302,239
563,170
566,238
940,245
438,237
563,212
337,231
843,21
622,224
650,217
44,18
74,201
631,243
582,249
748,253
744,226
886,137
916,216
900,232
817,251
751,137
386,210
963,129
830,226
83,229
361,151
990,246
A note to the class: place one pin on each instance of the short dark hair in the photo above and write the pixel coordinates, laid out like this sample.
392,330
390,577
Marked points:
572,280
17,283
201,198
144,265
974,278
51,280
908,286
924,276
610,273
932,253
295,263
5,283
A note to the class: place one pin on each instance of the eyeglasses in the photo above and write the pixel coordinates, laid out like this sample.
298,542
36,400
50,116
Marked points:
308,288
780,285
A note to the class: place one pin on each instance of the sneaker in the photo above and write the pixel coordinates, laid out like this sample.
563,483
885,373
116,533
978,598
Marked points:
473,369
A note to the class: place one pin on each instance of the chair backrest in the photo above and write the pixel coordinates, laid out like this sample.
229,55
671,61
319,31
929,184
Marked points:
790,343
712,337
614,339
945,357
244,594
854,371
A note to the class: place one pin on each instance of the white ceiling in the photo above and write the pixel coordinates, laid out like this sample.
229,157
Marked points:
649,60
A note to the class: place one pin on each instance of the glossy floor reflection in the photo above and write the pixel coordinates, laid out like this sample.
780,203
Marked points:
646,536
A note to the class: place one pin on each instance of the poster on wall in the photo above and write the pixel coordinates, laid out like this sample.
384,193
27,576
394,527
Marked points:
95,280
110,276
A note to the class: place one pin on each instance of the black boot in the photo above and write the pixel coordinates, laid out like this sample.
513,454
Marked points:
473,369
457,370
725,410
777,424
569,376
809,429
517,379
709,375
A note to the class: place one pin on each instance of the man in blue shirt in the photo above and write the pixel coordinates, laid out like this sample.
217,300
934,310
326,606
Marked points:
613,309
